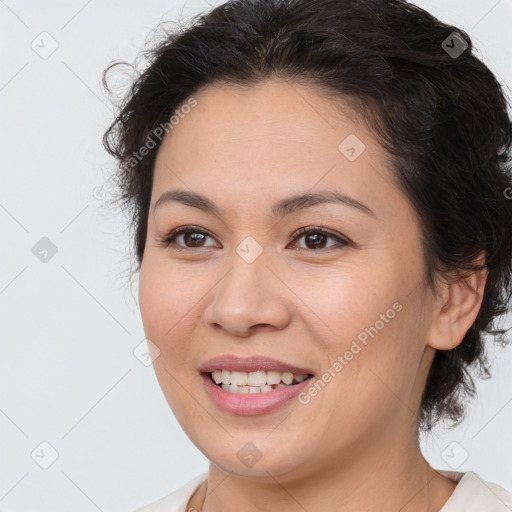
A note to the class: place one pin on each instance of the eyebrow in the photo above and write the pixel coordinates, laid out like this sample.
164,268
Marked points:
281,208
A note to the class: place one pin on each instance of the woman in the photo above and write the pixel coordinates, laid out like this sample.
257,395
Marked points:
324,235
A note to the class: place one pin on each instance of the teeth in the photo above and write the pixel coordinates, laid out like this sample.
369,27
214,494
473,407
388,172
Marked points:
287,377
240,379
254,382
226,377
256,379
231,388
273,377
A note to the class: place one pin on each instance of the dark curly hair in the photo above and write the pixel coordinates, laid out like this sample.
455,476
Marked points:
432,104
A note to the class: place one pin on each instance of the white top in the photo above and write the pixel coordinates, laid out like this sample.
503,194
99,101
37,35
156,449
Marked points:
472,494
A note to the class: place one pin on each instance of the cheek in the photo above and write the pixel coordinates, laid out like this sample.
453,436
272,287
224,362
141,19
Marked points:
166,307
379,364
168,318
366,322
345,302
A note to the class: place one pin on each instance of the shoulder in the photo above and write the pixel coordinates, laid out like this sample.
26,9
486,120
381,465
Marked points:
474,494
177,500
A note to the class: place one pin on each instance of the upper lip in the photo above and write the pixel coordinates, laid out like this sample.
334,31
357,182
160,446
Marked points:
250,364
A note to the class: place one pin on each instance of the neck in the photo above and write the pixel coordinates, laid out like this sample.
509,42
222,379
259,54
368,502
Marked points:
395,477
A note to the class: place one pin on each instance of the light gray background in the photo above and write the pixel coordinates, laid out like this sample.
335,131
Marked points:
69,326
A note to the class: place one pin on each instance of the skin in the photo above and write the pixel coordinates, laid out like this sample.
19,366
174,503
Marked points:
354,446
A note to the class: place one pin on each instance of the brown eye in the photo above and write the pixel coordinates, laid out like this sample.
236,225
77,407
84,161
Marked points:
316,238
189,236
192,239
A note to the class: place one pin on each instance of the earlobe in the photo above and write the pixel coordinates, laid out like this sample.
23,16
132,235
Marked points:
458,307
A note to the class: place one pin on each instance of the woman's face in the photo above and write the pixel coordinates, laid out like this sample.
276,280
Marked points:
351,306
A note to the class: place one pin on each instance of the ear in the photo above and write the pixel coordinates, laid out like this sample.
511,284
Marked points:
456,308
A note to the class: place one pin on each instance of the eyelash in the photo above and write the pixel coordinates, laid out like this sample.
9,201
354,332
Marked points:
169,239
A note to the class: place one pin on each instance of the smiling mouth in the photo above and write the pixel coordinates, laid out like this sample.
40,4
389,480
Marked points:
260,381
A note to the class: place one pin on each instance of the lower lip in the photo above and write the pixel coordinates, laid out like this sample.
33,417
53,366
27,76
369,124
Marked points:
251,403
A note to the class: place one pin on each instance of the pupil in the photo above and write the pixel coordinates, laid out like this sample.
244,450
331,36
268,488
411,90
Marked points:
315,236
193,238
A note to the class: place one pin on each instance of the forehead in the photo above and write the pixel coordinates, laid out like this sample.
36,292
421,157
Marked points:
246,142
274,118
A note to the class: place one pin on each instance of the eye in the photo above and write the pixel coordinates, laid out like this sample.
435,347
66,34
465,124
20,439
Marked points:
189,235
316,237
194,237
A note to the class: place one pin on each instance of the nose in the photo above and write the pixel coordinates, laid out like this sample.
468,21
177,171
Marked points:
249,297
